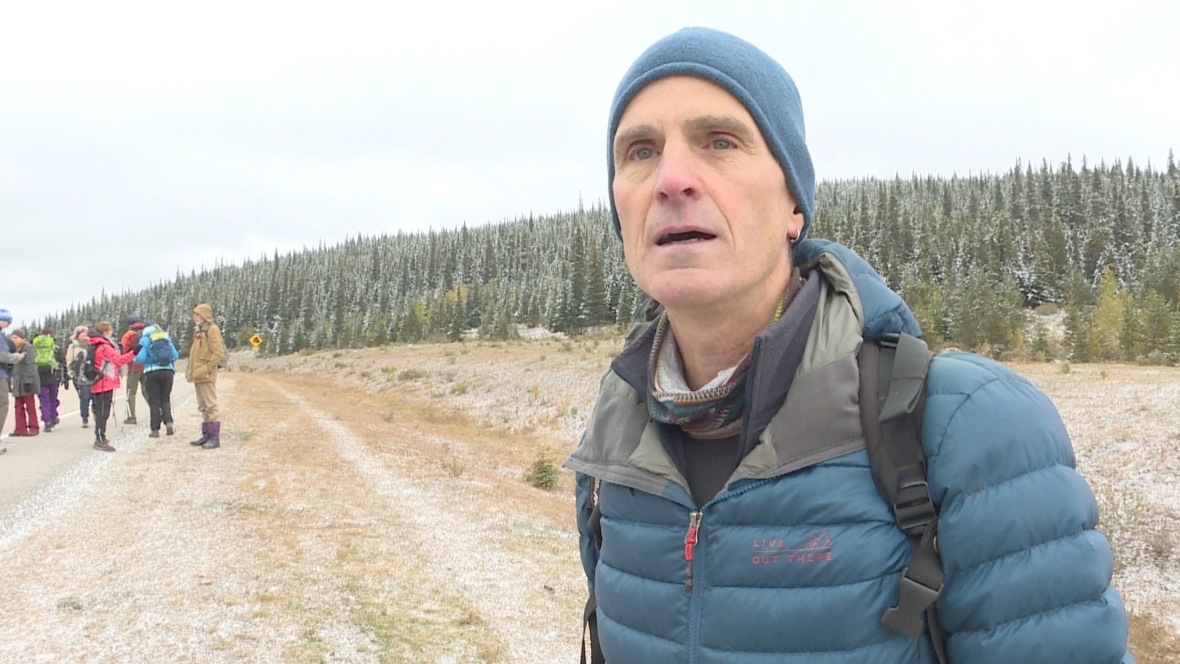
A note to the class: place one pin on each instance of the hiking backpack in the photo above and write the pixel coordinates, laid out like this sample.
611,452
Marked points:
46,350
83,368
160,349
892,400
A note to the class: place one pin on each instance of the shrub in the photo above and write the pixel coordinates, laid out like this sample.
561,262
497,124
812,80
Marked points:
542,473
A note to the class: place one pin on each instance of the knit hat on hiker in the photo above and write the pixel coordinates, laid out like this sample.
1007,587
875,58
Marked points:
5,315
744,71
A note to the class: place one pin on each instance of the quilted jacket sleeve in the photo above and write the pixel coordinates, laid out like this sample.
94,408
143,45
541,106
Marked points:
1027,575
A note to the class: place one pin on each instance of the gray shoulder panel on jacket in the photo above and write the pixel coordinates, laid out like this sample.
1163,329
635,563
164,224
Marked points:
618,444
819,421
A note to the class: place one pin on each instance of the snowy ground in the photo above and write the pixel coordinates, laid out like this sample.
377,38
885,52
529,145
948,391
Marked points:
368,506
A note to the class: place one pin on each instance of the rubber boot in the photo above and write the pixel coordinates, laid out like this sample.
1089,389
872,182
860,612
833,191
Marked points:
214,441
204,435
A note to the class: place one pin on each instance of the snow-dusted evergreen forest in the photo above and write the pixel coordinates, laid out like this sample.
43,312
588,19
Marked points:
971,255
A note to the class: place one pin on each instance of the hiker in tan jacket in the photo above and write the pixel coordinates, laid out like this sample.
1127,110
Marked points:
207,350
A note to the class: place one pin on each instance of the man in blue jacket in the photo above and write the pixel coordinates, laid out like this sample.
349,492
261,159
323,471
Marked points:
735,517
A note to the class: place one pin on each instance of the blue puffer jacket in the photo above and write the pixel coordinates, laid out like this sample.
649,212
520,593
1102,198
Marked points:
144,357
798,556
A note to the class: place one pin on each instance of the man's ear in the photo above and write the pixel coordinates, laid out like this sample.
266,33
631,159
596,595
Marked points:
795,225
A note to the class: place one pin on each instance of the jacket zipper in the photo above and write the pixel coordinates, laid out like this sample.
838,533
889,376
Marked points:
690,542
691,557
694,598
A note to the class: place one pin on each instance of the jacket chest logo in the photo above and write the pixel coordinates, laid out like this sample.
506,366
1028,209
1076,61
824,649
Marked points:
770,551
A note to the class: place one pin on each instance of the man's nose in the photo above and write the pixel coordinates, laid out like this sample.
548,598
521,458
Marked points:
678,179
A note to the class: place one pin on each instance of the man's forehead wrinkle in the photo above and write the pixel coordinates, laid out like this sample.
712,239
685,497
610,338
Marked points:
706,123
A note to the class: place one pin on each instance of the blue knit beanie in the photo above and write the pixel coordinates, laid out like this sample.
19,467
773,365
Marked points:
751,76
5,315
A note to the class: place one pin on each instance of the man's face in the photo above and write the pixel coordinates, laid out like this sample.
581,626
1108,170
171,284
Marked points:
197,319
704,209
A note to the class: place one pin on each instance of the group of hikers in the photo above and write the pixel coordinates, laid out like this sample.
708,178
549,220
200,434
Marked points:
91,359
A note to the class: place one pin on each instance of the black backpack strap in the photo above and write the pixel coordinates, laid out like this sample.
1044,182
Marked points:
590,615
892,398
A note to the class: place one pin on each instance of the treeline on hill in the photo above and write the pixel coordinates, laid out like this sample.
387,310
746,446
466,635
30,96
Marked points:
972,256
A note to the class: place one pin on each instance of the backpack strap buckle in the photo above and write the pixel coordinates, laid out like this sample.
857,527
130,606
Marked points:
912,506
913,600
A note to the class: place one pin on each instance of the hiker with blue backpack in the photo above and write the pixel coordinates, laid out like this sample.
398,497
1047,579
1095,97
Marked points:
51,369
157,354
77,355
777,468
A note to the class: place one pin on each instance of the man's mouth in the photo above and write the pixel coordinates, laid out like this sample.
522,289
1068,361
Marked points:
689,236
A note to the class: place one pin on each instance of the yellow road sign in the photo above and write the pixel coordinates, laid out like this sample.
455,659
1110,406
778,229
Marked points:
256,341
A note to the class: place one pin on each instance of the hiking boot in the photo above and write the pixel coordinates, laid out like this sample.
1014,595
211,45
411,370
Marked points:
103,446
55,421
129,420
214,441
48,427
169,429
85,423
204,435
154,434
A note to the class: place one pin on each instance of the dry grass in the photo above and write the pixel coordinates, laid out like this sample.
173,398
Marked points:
371,506
1125,425
1123,420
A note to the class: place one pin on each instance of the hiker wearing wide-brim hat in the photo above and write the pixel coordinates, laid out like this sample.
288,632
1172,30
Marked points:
203,359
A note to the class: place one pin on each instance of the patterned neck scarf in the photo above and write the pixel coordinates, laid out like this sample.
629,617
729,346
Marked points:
712,412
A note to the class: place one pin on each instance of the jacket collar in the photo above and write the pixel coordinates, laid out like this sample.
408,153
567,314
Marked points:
805,407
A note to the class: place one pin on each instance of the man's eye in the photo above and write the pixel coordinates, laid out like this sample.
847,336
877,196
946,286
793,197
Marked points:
643,153
722,144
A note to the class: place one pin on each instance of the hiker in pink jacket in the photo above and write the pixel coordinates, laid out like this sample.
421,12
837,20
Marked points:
108,360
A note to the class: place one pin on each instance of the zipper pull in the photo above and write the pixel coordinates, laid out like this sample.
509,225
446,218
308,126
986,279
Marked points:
690,541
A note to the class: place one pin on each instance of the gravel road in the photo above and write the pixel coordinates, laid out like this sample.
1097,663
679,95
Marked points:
306,538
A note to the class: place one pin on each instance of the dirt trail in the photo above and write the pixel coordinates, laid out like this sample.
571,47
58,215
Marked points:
309,537
381,517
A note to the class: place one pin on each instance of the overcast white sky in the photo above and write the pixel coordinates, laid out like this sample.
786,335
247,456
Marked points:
141,138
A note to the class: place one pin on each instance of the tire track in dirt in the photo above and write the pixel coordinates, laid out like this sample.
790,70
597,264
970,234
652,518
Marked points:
305,538
462,543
